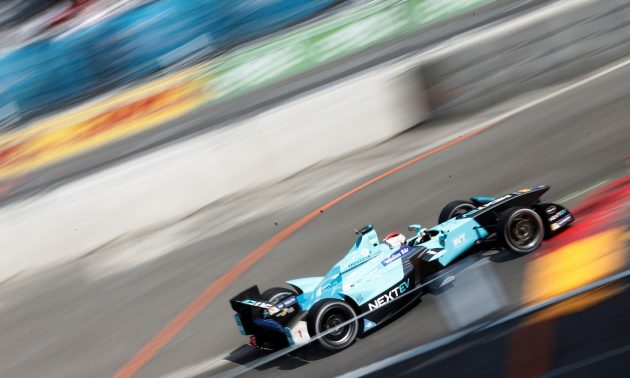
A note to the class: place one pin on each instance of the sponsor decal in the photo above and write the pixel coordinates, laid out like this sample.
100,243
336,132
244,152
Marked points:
459,240
557,215
284,311
256,303
561,222
329,283
390,296
551,209
358,262
286,303
526,190
396,255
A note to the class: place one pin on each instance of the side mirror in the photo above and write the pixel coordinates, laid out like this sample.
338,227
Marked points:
442,237
415,227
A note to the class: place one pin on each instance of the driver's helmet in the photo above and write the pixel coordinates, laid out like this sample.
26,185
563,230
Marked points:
395,240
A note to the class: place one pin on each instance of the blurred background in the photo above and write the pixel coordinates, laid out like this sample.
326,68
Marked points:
159,156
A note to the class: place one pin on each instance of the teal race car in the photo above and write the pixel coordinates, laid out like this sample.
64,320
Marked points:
373,278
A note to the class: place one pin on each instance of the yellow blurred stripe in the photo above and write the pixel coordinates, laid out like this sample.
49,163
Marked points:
575,264
94,125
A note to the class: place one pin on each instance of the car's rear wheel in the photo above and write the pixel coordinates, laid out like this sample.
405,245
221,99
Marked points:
454,209
329,316
276,294
520,230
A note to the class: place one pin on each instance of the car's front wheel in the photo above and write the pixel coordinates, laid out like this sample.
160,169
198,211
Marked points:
520,230
337,320
453,209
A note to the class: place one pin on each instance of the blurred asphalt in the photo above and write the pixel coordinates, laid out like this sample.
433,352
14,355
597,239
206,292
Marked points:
70,322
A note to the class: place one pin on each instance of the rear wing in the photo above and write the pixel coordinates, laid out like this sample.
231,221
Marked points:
247,299
253,312
249,306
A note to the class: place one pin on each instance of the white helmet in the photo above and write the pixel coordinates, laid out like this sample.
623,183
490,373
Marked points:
395,240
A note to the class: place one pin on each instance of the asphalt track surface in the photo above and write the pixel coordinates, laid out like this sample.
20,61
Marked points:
67,323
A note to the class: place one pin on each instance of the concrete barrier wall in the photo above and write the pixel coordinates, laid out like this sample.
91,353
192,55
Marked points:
563,41
164,186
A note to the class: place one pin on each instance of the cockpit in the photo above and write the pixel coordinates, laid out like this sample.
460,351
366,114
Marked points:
396,240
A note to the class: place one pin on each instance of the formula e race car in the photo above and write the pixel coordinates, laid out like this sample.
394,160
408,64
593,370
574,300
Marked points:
376,280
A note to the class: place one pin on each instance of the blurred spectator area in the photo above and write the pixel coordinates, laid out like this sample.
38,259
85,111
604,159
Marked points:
14,12
23,20
55,53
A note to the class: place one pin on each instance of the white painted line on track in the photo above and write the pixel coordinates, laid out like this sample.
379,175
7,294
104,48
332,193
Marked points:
585,80
211,363
584,191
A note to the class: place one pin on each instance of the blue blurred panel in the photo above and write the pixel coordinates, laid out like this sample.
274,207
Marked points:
249,19
47,74
157,35
42,75
30,74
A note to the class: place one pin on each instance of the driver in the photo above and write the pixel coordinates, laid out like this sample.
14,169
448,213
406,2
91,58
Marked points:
395,240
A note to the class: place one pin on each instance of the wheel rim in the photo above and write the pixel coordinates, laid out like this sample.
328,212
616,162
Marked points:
524,230
339,335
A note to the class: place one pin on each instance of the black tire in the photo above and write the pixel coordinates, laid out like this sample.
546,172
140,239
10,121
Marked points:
276,294
520,230
326,315
454,209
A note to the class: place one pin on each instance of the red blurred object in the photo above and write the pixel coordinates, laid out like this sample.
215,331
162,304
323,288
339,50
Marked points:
76,7
603,209
252,341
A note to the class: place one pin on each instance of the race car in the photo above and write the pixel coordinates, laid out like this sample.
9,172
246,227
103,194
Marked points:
376,280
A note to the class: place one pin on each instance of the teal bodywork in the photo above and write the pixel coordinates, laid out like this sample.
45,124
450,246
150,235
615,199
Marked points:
370,267
453,238
360,275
